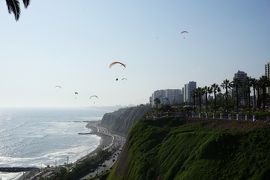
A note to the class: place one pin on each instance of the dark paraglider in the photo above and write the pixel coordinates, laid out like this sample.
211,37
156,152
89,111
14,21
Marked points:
117,62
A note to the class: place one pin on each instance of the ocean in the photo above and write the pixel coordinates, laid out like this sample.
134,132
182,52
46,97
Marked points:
42,137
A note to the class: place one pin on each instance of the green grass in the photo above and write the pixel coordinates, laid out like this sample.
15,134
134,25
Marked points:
173,149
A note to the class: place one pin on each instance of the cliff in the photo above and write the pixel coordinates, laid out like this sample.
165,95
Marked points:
120,121
170,148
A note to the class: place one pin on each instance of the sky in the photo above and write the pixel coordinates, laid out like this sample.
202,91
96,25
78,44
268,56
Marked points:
71,43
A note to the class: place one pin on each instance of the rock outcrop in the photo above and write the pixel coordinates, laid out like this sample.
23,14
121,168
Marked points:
120,121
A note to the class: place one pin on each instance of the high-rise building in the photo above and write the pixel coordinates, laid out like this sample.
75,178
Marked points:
267,70
174,96
242,77
158,94
267,74
183,94
167,96
188,90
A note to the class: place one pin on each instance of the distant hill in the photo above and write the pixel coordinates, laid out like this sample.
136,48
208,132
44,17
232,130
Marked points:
170,148
120,121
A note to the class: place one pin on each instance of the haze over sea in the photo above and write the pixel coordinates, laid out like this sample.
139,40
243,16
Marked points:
41,137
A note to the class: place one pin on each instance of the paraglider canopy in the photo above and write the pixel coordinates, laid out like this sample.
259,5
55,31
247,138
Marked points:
182,32
93,96
58,86
76,93
117,62
124,79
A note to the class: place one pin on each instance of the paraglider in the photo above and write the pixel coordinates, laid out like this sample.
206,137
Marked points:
93,96
76,94
117,62
58,86
124,79
183,33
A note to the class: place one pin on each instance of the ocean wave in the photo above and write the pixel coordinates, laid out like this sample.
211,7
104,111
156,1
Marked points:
49,158
10,176
39,138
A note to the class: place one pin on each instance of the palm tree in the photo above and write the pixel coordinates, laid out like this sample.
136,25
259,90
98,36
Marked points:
14,7
253,82
258,87
226,84
205,93
194,94
216,89
207,90
200,92
264,83
248,85
210,91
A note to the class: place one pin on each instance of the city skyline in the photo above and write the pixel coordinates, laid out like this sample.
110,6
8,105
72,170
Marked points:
71,44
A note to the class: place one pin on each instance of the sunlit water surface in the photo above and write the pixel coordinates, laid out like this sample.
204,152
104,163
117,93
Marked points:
41,137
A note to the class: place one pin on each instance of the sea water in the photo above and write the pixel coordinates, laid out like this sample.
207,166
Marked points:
42,137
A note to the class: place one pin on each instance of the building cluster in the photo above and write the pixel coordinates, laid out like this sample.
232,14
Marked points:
174,96
241,76
185,94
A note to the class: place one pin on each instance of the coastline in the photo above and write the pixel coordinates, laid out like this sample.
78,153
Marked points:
108,141
114,145
105,139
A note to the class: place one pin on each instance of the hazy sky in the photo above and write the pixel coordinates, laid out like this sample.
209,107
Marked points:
71,43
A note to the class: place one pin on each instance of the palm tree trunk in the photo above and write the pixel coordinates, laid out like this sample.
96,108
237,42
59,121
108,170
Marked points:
258,99
226,99
215,105
194,103
249,103
264,98
200,103
206,102
254,99
237,100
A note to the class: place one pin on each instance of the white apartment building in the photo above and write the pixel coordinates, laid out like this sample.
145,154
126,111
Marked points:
188,90
167,96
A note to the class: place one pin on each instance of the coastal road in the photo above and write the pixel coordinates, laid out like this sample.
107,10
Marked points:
116,145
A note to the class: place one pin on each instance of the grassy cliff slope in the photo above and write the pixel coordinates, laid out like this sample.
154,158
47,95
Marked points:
175,149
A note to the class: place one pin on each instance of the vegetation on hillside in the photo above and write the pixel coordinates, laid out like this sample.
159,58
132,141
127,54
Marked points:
177,149
79,169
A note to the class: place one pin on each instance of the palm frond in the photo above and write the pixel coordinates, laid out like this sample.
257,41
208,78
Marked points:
14,7
26,3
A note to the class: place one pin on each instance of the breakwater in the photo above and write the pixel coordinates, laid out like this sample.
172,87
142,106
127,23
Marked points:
17,169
